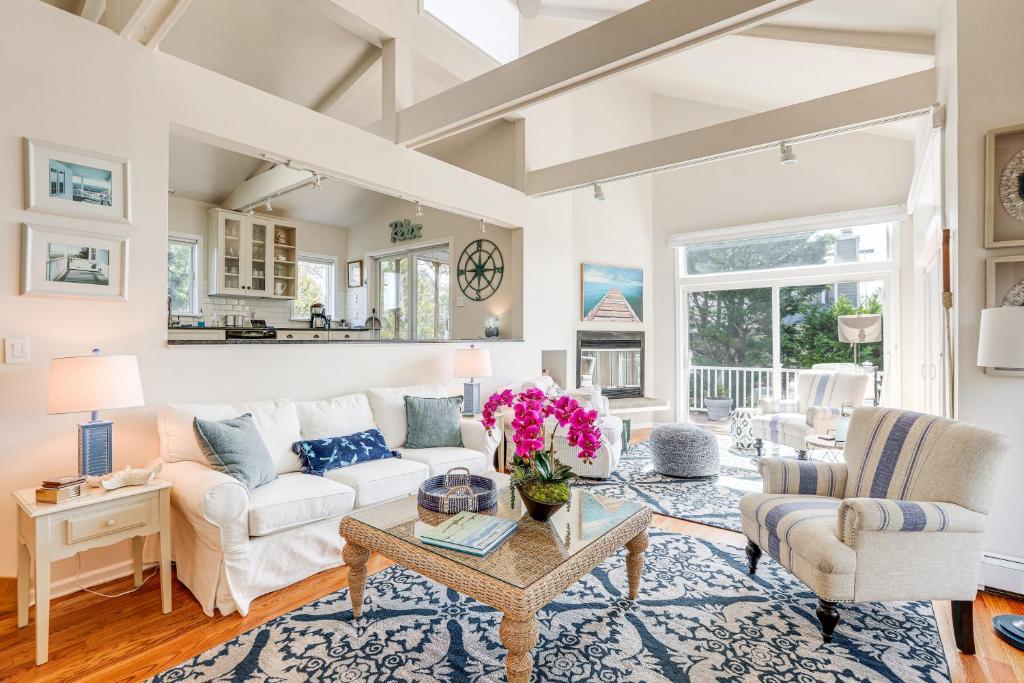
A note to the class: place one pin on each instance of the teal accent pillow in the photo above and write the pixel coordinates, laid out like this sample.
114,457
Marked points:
433,422
236,448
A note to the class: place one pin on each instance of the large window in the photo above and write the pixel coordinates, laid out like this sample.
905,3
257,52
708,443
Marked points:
414,294
317,275
491,25
183,274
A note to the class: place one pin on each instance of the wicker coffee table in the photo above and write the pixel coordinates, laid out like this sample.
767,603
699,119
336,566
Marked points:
537,563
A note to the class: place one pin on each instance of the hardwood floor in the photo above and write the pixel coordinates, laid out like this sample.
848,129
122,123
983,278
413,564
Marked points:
96,639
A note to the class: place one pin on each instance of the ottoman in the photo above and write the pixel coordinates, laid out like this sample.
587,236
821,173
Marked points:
684,450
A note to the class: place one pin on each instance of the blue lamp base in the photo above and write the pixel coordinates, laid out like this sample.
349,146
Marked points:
95,440
470,398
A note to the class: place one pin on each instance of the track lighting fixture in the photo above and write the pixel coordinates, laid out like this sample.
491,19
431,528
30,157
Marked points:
787,157
483,226
268,207
419,210
317,181
598,192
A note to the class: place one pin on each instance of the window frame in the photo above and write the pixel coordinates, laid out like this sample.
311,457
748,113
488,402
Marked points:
329,260
410,253
196,242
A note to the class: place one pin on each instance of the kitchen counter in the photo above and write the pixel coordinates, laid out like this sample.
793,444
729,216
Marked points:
214,336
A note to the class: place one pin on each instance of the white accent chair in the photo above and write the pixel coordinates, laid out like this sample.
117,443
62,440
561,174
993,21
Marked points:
820,397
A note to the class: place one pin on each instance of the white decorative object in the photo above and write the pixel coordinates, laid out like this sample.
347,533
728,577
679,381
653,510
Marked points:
50,532
129,476
1001,340
73,182
71,264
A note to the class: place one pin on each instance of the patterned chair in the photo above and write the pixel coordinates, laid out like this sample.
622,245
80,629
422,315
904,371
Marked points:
819,400
902,519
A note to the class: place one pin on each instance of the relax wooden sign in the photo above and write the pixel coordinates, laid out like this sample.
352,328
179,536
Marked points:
405,229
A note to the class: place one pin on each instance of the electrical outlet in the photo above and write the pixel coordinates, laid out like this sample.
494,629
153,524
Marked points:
16,350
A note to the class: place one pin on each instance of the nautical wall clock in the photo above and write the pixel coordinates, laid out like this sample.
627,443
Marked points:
480,269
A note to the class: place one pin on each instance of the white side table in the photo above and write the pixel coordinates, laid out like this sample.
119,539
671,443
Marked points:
49,532
829,449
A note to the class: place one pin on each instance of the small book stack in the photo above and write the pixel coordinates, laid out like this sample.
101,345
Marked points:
60,489
469,532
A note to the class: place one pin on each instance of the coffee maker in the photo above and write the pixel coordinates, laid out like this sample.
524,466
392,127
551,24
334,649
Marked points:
318,320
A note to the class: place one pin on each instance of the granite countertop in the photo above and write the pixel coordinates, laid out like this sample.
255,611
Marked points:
256,342
290,329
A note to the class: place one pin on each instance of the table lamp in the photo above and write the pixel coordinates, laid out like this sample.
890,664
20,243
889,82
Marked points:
470,364
863,328
88,384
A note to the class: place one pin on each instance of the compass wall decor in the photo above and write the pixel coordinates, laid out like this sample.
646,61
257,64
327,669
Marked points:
480,269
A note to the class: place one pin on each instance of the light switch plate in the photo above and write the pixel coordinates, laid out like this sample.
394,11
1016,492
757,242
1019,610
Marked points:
460,301
16,350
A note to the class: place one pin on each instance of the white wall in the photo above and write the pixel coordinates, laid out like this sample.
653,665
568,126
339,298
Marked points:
978,53
129,112
855,171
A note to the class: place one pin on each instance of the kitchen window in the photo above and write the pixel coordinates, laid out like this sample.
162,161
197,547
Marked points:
317,275
183,274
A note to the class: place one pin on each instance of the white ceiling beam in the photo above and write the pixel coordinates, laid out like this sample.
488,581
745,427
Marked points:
270,183
396,84
345,85
648,32
153,20
908,43
822,117
91,10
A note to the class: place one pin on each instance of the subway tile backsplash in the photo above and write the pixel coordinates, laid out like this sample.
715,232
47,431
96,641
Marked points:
275,312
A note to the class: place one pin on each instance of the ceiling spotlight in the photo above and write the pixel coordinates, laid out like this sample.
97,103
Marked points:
172,190
317,184
483,226
598,192
267,207
419,210
787,157
250,213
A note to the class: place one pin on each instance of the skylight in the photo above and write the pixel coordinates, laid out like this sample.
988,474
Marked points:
491,25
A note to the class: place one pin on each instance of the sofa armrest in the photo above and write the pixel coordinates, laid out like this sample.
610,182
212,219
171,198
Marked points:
770,406
802,477
858,515
476,437
210,501
822,418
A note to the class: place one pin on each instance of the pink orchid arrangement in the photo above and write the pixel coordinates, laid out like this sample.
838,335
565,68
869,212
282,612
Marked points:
530,410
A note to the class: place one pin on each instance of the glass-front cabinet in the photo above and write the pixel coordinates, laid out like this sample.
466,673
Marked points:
252,255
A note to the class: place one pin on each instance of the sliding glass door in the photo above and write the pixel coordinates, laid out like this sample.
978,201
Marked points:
414,294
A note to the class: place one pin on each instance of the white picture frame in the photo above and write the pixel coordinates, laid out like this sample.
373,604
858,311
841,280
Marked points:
1001,146
58,262
66,181
1001,274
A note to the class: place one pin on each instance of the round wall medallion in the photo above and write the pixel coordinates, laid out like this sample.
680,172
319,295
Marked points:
1015,297
480,270
1011,187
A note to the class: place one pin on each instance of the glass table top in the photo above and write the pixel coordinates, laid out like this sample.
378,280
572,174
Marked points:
532,551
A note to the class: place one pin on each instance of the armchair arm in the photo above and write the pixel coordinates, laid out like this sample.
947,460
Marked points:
475,436
802,477
772,405
879,514
214,503
822,418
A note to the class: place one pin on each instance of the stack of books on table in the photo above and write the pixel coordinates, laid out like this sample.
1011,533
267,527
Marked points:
60,489
469,532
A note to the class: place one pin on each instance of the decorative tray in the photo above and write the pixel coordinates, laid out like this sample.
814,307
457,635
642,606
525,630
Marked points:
458,491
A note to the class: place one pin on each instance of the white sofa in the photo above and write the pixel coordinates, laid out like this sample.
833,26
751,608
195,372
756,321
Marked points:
231,546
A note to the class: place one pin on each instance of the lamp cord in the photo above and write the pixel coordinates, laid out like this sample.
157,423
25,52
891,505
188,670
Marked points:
78,580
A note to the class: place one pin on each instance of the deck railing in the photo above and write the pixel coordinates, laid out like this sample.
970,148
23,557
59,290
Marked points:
746,386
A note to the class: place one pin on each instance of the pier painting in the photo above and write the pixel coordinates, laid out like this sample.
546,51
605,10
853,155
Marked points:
612,293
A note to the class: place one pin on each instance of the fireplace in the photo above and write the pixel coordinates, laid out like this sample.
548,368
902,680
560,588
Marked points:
613,361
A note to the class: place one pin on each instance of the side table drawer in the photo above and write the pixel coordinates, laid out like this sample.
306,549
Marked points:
105,522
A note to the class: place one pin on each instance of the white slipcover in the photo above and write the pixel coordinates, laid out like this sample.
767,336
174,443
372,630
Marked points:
294,499
378,481
388,406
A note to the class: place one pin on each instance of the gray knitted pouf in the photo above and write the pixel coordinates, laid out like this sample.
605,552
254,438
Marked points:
684,450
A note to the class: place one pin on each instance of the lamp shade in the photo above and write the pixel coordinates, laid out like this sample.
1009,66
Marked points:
81,384
1001,341
472,362
860,329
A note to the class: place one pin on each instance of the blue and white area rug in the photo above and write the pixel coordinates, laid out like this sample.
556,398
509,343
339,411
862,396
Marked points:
714,501
700,617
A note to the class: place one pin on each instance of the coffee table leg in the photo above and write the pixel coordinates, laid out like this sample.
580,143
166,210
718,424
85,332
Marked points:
635,562
519,636
355,557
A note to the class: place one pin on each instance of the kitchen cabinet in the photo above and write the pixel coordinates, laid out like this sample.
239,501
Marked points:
350,335
303,335
252,256
195,334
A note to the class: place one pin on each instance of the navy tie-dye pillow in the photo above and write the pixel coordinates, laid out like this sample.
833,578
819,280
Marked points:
321,455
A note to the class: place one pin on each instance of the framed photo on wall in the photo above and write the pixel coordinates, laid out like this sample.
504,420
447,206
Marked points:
611,294
74,182
355,273
77,265
1004,286
1004,187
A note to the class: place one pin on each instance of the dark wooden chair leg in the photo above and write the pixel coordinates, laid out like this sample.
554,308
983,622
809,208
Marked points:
758,444
828,616
963,625
753,555
801,455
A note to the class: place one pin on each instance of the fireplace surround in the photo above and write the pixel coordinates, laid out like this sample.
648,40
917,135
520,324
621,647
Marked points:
613,361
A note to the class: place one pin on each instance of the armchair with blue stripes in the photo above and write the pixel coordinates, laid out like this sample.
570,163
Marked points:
903,518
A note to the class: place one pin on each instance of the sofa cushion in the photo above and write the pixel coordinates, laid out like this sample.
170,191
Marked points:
320,455
440,460
277,422
380,480
433,422
295,499
388,406
235,447
336,416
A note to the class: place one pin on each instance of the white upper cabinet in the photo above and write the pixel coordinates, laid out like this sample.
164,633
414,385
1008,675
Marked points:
252,255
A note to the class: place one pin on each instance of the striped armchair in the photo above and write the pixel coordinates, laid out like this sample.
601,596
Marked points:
913,486
819,400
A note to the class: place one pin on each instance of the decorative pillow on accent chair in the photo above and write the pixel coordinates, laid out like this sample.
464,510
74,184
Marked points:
320,455
236,448
434,422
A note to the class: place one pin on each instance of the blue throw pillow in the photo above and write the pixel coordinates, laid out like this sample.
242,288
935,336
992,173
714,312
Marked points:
320,455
